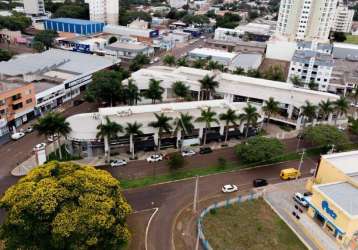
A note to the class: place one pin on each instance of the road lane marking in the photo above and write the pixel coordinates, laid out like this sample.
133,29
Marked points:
147,229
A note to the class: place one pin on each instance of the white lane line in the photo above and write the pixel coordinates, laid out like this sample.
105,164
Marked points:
148,225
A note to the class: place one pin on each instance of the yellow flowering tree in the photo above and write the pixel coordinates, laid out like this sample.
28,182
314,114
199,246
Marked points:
65,206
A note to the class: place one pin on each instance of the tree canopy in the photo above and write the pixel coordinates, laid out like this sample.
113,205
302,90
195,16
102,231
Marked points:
46,37
5,55
15,22
65,206
72,10
229,20
259,149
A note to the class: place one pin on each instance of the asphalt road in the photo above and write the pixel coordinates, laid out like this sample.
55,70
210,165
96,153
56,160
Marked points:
170,198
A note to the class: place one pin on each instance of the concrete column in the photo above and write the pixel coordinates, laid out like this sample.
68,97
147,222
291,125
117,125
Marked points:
199,95
222,129
106,147
178,137
299,122
290,111
242,126
165,94
156,138
201,132
330,117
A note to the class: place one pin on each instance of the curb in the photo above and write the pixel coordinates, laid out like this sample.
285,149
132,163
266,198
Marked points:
147,228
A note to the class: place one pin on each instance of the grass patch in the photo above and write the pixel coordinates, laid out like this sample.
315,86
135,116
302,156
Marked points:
249,225
54,156
351,39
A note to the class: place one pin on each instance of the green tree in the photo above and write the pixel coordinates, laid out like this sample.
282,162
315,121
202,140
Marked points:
308,112
325,136
176,161
353,126
207,117
253,73
341,107
199,63
229,20
112,39
271,107
5,55
169,60
63,129
296,81
182,62
326,108
162,124
38,46
138,62
339,37
250,117
313,85
259,149
239,71
275,73
195,19
65,206
212,65
131,92
180,90
47,37
15,22
133,129
154,91
184,124
108,131
208,86
126,17
354,94
229,117
72,10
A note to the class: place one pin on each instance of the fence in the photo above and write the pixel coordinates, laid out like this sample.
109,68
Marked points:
225,203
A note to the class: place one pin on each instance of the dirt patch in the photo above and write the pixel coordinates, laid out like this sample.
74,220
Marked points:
137,223
267,63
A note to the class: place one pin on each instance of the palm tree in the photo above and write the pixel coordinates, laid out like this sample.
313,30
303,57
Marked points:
250,116
207,116
63,129
208,85
180,89
182,62
271,107
213,65
229,117
341,106
132,94
169,60
308,112
154,91
354,94
239,71
325,108
162,125
296,81
108,131
133,129
183,124
199,63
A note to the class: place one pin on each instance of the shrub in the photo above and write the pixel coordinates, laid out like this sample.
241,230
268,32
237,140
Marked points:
176,161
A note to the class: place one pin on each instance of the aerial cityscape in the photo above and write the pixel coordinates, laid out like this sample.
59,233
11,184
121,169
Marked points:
175,125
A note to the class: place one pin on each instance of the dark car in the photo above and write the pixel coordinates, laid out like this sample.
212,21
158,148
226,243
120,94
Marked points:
259,182
205,150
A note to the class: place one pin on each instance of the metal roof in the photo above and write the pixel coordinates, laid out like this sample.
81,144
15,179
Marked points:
73,20
347,162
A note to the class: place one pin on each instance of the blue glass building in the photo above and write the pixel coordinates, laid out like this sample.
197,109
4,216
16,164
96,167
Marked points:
78,26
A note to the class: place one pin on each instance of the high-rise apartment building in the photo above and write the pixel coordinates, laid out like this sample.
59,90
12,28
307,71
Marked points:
105,11
306,19
343,18
34,7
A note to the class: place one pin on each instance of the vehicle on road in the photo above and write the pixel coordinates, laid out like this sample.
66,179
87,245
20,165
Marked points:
52,138
229,188
307,193
289,174
155,158
300,199
29,129
40,146
202,37
205,150
17,136
259,182
118,163
353,104
188,152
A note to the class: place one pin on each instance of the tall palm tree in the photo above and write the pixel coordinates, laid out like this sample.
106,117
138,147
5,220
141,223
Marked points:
208,85
271,107
213,65
182,62
250,116
341,106
162,125
155,91
296,81
180,89
133,129
132,94
183,124
108,131
229,117
208,117
308,112
169,60
63,129
326,108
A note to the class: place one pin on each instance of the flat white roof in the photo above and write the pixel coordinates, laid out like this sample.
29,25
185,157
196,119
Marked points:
347,162
214,53
345,45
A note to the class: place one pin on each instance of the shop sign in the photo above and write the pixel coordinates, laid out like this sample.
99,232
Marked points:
328,210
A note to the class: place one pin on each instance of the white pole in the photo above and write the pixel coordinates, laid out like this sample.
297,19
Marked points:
197,242
300,165
195,194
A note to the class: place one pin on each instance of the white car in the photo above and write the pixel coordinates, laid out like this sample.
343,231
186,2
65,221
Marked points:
40,146
229,188
188,152
29,129
17,136
52,138
155,158
118,163
299,198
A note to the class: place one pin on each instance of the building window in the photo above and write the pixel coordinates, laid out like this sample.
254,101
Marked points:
28,101
17,106
2,102
16,97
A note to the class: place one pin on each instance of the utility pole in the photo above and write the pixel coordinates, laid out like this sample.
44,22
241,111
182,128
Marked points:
196,194
300,165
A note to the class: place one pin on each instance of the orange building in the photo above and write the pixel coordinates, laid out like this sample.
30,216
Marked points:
17,102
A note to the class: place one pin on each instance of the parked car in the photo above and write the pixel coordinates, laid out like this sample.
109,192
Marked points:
299,198
52,138
259,182
229,188
307,194
40,146
155,158
188,152
118,163
205,150
17,136
29,129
